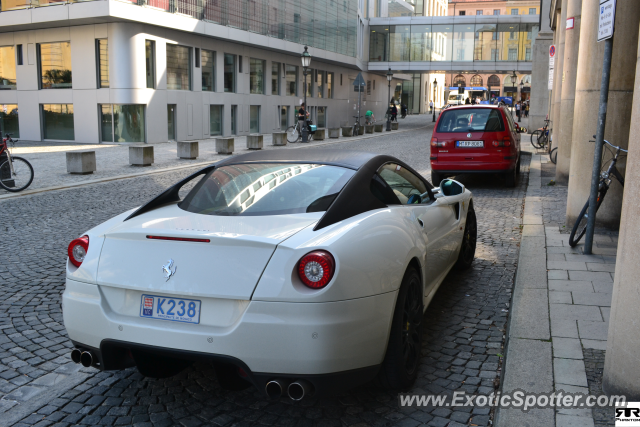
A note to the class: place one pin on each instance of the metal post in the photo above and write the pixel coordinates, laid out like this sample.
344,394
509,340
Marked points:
597,152
305,135
389,109
359,103
434,103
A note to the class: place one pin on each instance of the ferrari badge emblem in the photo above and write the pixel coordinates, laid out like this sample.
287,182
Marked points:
468,135
166,269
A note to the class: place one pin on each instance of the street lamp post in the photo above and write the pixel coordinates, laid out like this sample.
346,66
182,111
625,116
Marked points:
514,81
389,78
435,84
520,116
306,61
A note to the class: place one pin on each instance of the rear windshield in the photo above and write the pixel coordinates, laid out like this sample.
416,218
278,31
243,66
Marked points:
267,189
471,120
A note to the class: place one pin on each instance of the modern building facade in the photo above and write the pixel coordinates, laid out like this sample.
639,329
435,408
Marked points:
493,7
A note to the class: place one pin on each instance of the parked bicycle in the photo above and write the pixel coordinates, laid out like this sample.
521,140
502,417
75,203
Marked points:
356,126
16,173
580,227
540,139
294,133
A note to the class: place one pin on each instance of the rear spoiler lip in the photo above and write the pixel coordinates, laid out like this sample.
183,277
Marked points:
170,195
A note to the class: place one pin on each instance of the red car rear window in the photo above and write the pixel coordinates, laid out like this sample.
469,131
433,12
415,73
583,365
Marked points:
470,120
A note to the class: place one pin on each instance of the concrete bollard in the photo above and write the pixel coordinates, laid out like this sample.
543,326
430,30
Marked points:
141,155
188,150
368,129
225,145
319,135
334,132
279,139
361,130
394,126
378,127
81,162
254,142
347,131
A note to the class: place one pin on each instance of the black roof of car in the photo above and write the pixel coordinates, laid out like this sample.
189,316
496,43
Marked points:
346,158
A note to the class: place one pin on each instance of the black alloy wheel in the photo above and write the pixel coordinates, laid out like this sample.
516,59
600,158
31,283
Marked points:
469,241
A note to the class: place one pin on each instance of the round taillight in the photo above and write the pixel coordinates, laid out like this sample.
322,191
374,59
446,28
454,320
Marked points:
78,249
316,269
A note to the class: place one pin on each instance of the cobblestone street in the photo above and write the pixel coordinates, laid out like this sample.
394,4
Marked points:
39,385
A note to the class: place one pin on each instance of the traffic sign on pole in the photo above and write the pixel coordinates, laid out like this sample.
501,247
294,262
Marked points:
606,19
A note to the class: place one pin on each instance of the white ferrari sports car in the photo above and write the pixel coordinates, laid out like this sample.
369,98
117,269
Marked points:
297,271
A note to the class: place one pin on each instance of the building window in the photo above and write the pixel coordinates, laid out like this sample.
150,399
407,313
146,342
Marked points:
284,117
197,56
178,67
309,83
171,122
320,83
208,70
460,55
478,12
57,121
329,85
234,116
215,120
256,76
513,54
9,120
322,117
19,54
275,78
122,123
494,35
254,119
459,80
493,81
54,62
229,73
496,11
7,68
150,59
532,11
513,35
291,72
514,11
476,81
527,54
494,54
102,55
462,13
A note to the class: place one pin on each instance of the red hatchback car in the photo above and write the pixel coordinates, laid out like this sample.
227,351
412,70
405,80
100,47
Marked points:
475,139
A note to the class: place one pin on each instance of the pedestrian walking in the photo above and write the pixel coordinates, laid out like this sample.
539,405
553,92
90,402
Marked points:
526,109
518,110
430,107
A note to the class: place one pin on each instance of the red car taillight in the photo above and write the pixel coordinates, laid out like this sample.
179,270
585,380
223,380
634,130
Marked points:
316,269
436,143
78,249
506,142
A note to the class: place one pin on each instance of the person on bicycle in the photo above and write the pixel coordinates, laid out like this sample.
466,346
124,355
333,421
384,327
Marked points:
394,112
369,119
302,116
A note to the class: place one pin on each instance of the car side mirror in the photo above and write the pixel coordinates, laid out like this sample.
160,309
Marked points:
449,187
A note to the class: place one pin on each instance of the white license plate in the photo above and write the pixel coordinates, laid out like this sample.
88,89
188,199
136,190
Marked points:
167,308
470,144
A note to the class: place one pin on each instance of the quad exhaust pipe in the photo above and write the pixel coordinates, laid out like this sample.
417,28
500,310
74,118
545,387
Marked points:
85,358
296,390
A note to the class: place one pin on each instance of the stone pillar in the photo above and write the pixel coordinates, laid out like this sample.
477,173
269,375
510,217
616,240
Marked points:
621,375
556,121
556,43
539,104
564,131
589,76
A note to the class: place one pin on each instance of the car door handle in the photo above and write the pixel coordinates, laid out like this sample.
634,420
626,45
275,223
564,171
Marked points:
421,223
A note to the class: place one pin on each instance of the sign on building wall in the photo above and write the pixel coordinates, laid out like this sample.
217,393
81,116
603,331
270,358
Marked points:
552,61
606,18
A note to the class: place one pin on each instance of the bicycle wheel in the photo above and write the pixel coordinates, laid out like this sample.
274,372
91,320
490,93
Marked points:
20,178
356,128
542,139
580,227
553,155
534,138
293,134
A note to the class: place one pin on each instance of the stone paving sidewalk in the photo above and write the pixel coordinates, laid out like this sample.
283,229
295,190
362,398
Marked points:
557,334
112,160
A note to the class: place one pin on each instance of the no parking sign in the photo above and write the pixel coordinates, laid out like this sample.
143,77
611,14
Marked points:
552,61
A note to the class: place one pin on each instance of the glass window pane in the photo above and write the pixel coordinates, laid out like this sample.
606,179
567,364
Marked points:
229,73
256,76
171,122
291,80
178,67
215,120
103,62
329,85
275,78
442,45
55,65
322,117
485,42
9,120
463,40
234,116
284,117
378,43
57,121
508,41
308,82
128,123
7,68
400,42
208,63
320,84
106,123
526,41
150,60
254,119
421,42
